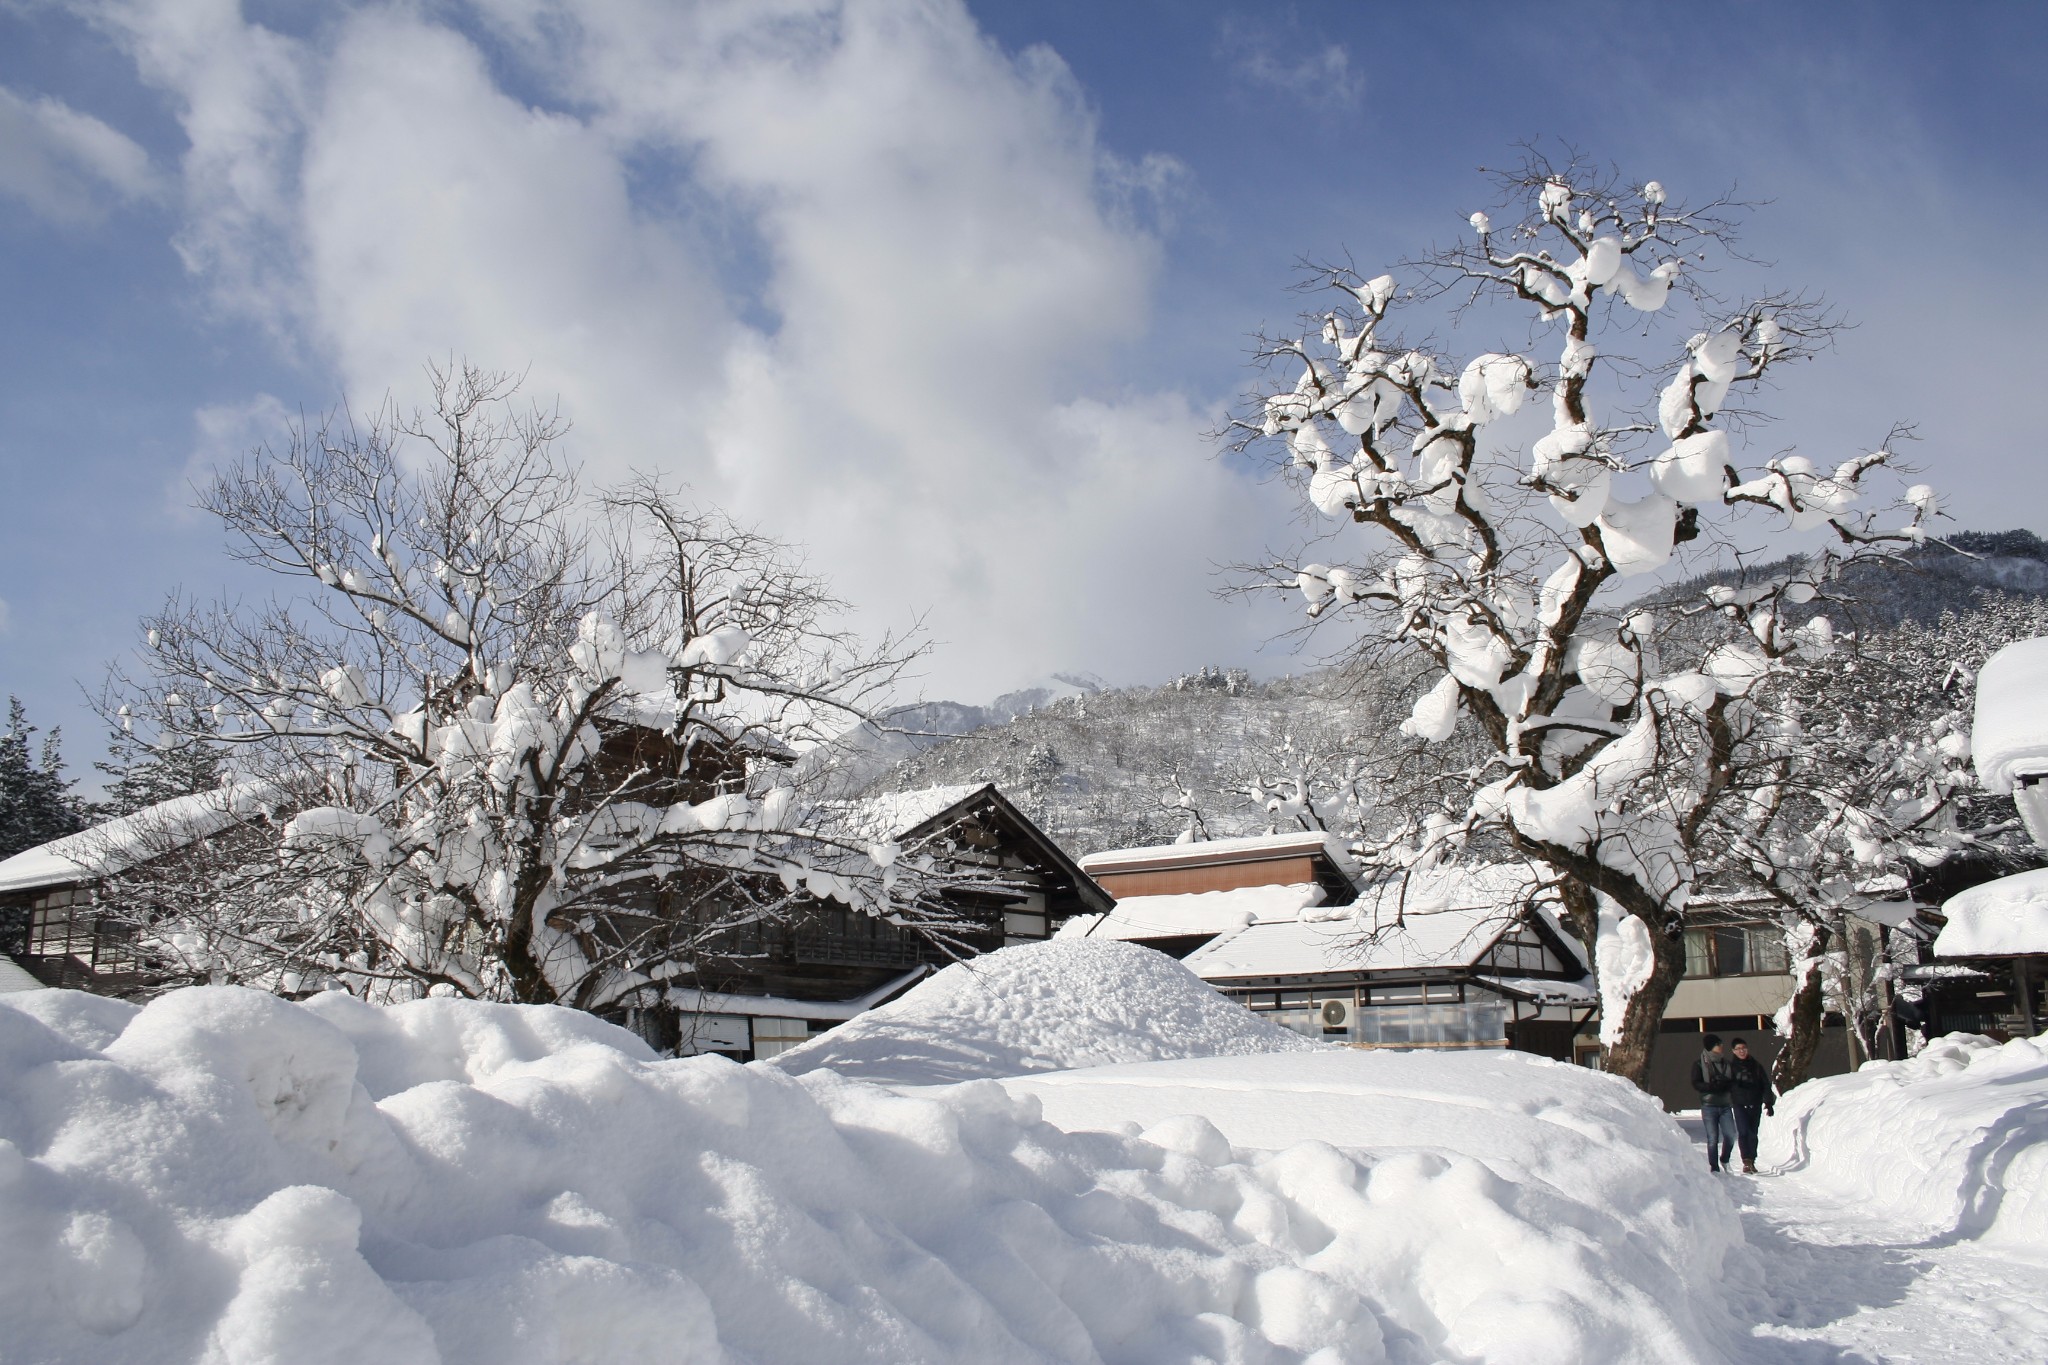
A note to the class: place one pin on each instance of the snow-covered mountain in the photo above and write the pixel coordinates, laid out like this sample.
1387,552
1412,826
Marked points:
863,754
1101,768
1104,769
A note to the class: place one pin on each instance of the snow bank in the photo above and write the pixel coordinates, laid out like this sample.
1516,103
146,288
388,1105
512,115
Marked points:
1521,1209
1067,1002
234,1178
1953,1142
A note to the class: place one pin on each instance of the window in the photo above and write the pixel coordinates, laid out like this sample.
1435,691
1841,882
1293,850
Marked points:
1767,950
774,1036
1731,955
1468,1025
1398,995
711,1033
1736,950
1699,961
1020,926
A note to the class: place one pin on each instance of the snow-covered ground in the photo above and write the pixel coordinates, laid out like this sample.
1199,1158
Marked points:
1950,1145
226,1177
1844,1284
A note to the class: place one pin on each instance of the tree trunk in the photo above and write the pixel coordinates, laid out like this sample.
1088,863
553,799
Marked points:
1643,1017
1795,1059
1853,996
530,985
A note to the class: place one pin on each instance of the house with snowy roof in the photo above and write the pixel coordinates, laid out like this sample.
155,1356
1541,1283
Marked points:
761,989
1995,939
51,930
754,991
1466,957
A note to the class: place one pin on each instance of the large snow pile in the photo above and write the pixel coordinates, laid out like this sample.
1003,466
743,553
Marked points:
1546,1210
1067,1002
1951,1143
227,1177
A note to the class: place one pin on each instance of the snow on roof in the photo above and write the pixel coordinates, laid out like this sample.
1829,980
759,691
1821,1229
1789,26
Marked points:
781,1007
1204,912
657,711
1254,849
14,978
1942,971
121,843
1429,920
2009,739
1997,918
897,813
1544,990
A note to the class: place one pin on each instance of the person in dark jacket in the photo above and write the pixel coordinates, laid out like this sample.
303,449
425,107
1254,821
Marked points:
1751,1095
1710,1078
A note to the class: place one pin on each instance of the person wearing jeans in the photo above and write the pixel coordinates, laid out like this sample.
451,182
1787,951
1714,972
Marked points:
1751,1095
1710,1077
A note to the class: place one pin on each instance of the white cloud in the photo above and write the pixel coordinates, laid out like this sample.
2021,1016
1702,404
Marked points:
67,165
846,268
240,93
1280,59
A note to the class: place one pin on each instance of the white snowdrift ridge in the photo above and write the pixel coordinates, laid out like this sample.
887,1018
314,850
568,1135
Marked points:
1952,1143
1064,1003
227,1177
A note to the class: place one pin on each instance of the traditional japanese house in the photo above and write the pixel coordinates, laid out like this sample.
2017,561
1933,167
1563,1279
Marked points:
763,989
51,925
751,991
1465,958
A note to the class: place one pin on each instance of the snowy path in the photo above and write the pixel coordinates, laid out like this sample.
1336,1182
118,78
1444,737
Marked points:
1844,1286
1843,1280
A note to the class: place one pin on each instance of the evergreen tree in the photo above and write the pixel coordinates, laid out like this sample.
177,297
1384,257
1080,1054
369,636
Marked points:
140,776
36,804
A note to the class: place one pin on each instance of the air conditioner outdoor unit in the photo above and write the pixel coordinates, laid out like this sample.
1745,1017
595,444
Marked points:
1336,1014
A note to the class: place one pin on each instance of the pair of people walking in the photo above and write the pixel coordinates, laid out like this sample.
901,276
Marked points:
1735,1093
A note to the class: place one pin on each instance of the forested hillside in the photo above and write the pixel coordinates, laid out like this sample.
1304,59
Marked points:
1223,754
1108,770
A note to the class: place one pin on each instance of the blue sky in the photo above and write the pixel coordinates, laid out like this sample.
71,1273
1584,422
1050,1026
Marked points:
948,293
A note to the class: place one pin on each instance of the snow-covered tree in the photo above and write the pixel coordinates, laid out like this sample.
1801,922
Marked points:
1513,555
1871,801
517,741
36,802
